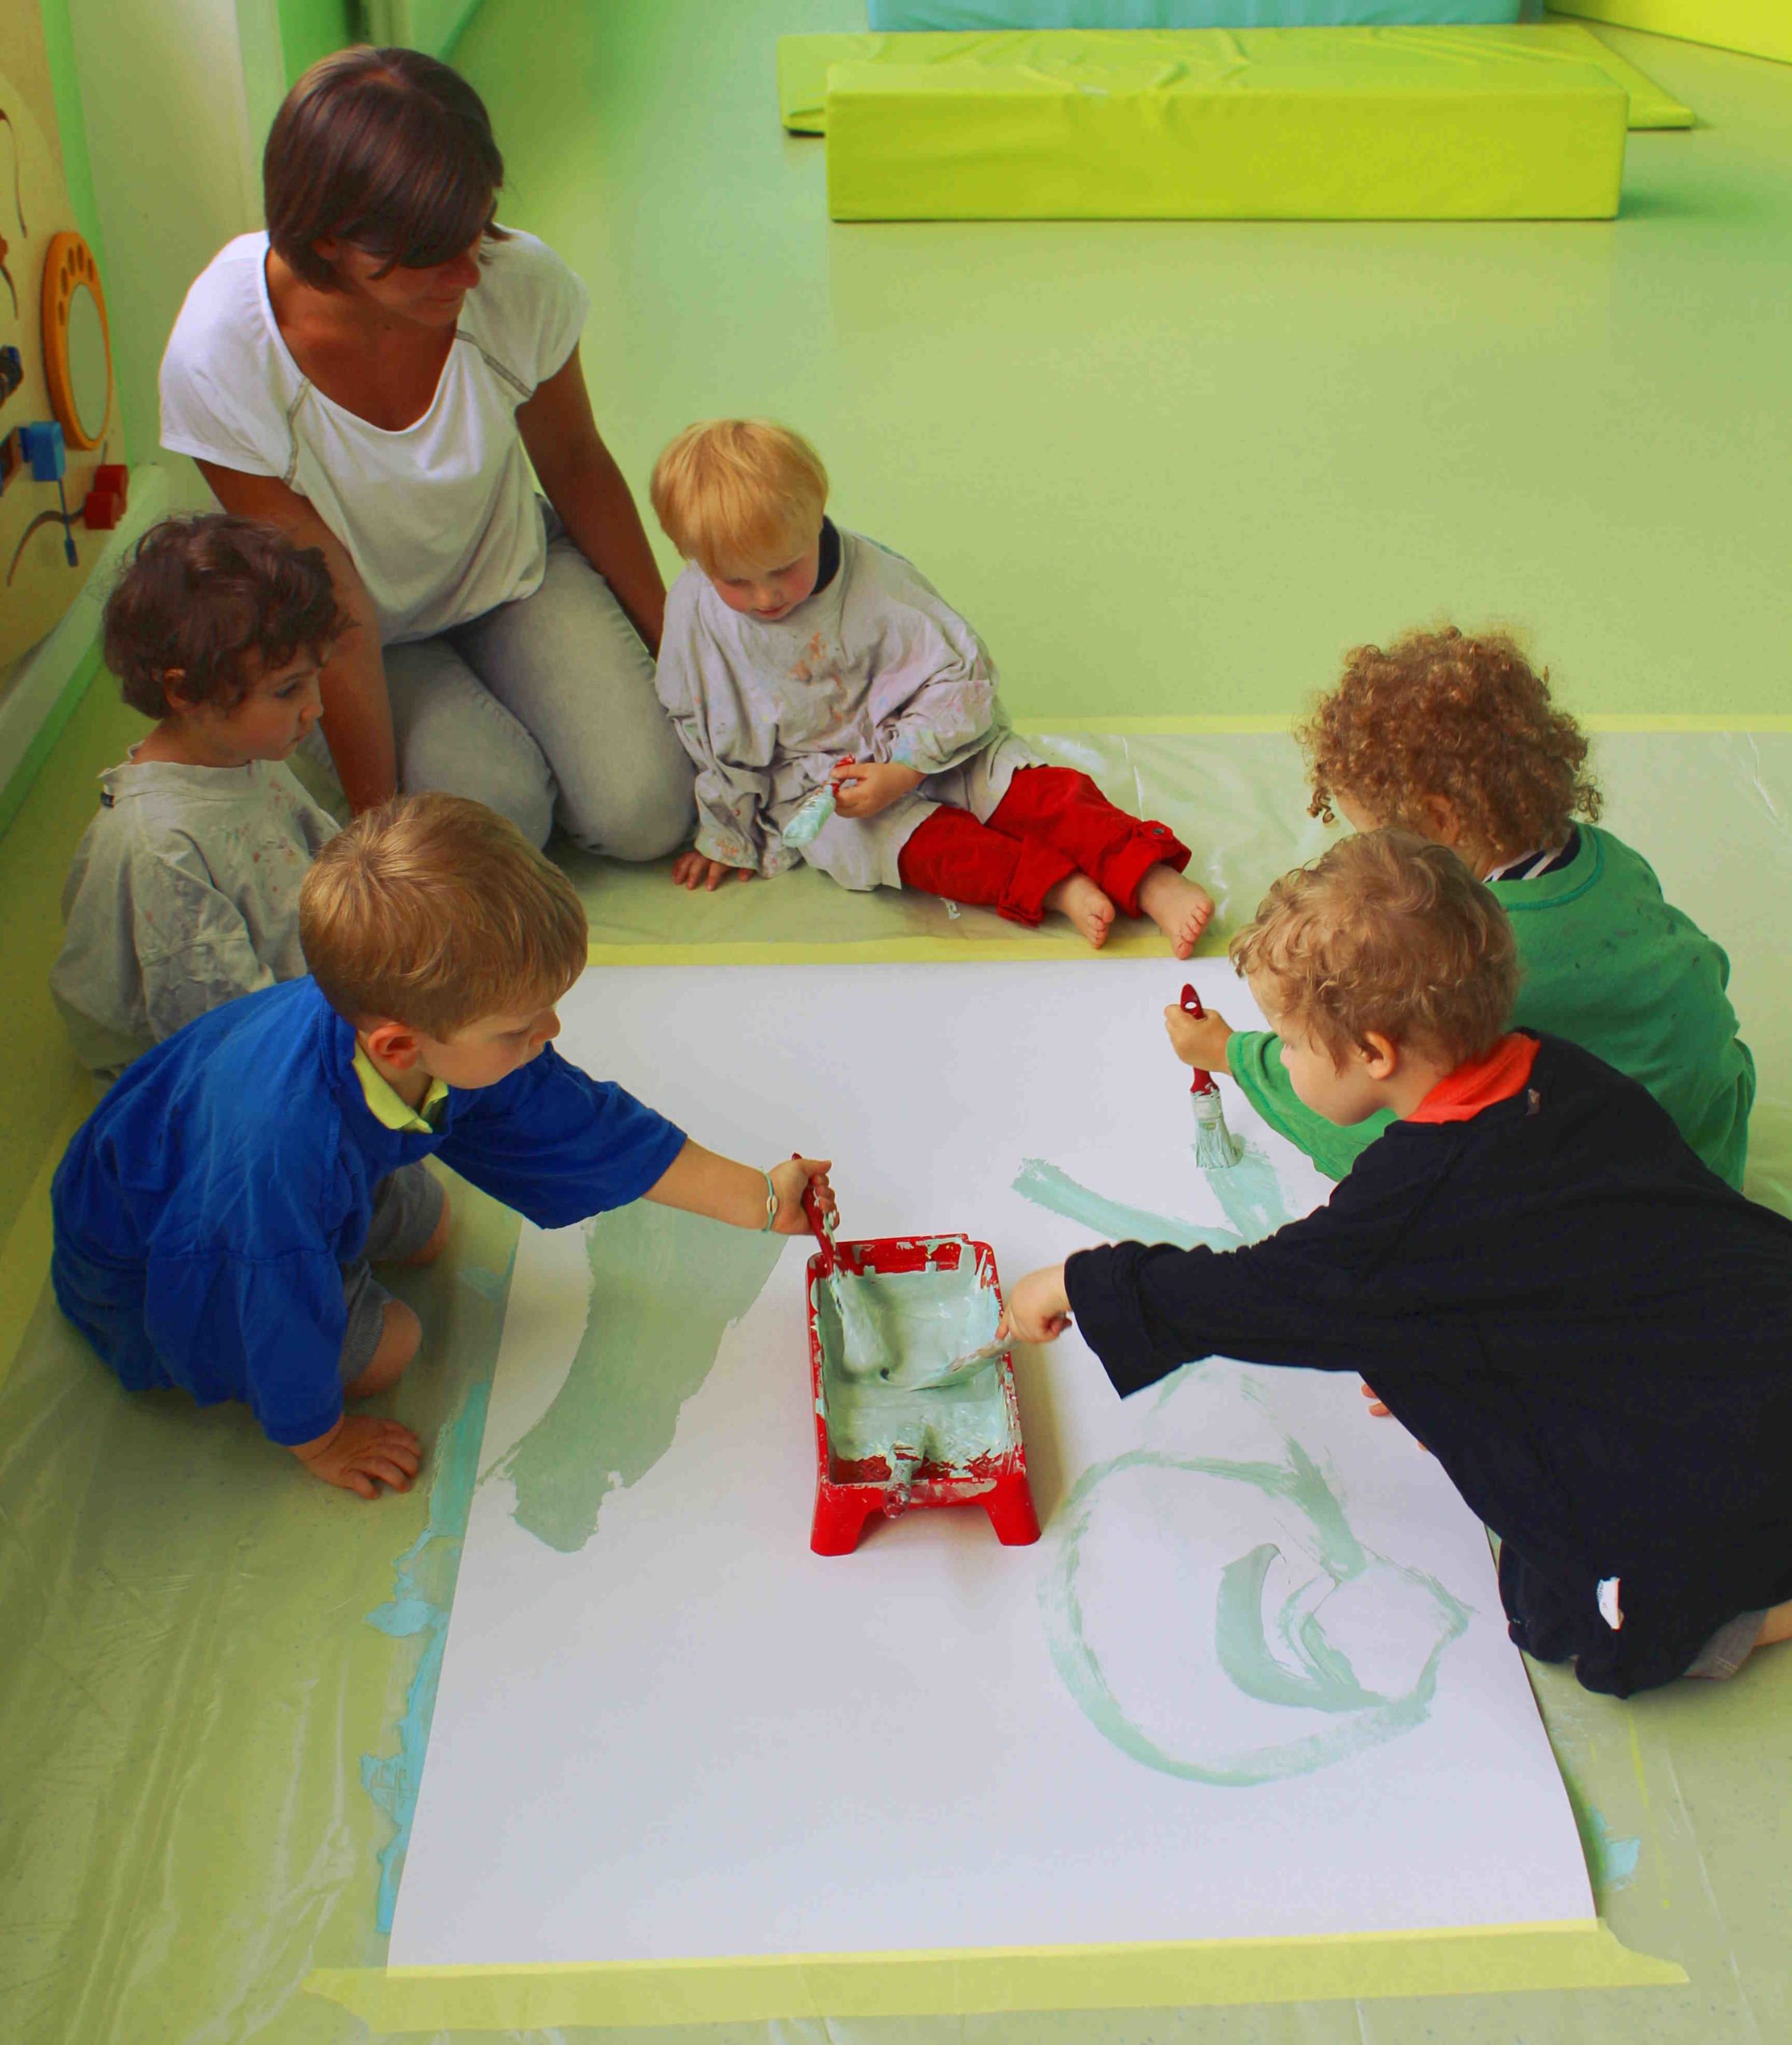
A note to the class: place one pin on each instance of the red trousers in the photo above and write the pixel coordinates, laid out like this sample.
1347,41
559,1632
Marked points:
1053,822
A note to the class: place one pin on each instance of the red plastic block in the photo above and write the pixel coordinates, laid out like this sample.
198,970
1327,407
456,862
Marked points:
101,511
115,478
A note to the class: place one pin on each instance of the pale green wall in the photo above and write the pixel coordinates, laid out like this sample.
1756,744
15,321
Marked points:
311,28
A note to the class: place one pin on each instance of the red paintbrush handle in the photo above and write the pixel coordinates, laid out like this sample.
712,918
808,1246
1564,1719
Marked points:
811,1207
1203,1080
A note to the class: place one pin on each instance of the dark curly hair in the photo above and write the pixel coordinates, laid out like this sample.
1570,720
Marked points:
387,149
1453,714
199,596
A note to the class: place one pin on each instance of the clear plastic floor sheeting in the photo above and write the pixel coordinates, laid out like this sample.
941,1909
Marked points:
217,1673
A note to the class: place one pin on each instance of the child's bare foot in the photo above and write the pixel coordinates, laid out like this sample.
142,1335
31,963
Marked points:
1079,898
1179,908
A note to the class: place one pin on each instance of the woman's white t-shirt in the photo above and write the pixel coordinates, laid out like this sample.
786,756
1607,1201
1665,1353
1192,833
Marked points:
440,519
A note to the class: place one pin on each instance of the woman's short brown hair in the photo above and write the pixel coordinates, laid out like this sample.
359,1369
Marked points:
200,596
1461,715
435,911
387,149
1386,932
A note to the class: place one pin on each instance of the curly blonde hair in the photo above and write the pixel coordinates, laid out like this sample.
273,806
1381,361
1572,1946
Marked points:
1453,714
1385,931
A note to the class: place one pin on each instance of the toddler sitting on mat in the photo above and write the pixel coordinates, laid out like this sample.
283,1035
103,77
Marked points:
184,889
1456,737
839,711
1589,1329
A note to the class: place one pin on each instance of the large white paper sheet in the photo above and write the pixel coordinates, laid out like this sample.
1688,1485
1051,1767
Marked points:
1253,1681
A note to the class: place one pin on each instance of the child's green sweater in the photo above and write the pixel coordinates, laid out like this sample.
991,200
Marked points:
1608,963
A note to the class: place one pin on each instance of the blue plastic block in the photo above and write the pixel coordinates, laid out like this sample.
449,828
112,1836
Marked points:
43,446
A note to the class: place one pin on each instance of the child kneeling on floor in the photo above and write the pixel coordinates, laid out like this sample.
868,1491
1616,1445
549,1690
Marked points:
183,893
1586,1327
214,1216
1456,737
839,711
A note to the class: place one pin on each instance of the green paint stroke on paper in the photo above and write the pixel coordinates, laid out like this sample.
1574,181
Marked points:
665,1287
1248,1194
1047,1187
423,1592
1312,1671
1320,1677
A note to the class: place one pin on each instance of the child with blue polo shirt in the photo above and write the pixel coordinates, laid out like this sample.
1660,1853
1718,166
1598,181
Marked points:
210,1214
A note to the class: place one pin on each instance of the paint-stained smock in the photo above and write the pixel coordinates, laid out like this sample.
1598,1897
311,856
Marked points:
1586,1327
184,893
877,665
204,1212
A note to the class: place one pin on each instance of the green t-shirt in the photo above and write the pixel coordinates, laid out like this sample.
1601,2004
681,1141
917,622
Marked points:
1608,963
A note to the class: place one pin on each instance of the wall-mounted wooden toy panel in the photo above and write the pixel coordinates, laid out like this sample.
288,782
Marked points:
59,375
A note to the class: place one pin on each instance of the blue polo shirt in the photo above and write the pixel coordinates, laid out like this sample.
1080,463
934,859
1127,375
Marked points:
204,1212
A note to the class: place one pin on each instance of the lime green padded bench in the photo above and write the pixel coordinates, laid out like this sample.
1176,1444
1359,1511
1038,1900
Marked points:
804,60
1302,124
1757,28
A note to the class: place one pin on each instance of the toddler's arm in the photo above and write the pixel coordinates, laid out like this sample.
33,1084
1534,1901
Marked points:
700,1182
691,678
934,696
1253,1058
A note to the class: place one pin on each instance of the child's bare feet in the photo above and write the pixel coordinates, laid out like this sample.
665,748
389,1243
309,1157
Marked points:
1079,898
1179,908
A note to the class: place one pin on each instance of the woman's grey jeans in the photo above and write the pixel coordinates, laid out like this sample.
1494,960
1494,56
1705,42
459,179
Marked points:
544,709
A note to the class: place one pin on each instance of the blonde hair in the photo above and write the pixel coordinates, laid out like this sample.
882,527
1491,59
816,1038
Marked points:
1387,932
738,496
435,911
1462,716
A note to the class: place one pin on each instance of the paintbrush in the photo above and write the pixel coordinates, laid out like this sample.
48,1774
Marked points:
1215,1146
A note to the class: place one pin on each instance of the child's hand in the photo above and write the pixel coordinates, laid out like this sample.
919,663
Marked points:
1198,1040
695,870
789,1182
865,789
361,1453
1380,1413
1039,1309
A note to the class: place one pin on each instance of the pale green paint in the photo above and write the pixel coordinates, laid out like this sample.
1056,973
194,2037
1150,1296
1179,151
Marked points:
423,1595
907,1325
637,1363
1325,1680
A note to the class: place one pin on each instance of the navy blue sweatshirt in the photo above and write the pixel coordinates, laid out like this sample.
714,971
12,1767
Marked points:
1586,1327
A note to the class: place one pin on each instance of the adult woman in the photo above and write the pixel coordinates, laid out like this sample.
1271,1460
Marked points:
370,375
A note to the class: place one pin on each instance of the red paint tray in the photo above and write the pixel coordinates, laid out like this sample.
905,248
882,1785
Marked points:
847,1494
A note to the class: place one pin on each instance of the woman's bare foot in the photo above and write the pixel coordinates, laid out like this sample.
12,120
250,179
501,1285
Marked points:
1179,908
1079,898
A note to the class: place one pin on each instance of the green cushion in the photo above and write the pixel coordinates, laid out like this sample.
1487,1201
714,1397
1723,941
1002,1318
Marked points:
1127,138
804,60
1759,28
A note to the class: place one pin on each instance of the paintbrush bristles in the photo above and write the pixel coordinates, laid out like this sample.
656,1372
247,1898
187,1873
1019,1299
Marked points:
1215,1146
